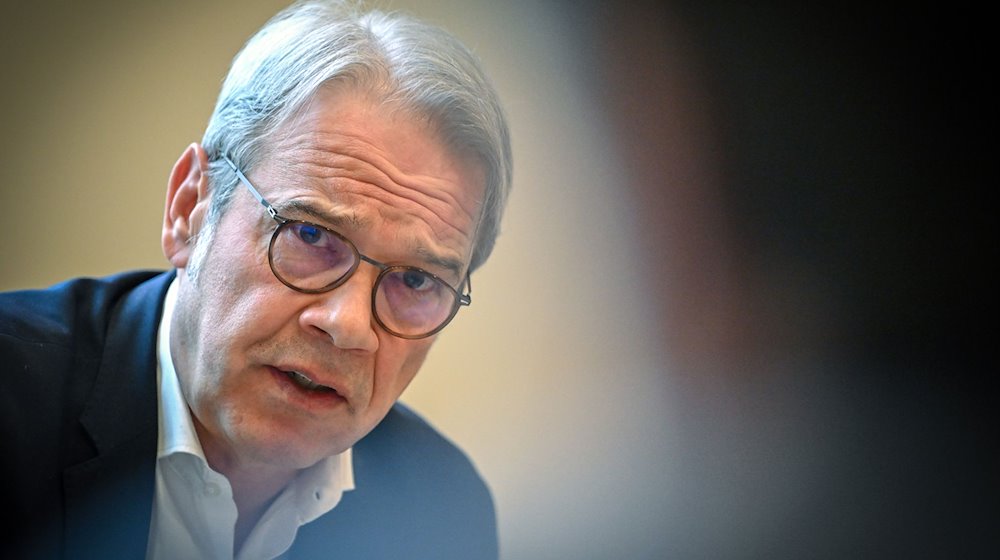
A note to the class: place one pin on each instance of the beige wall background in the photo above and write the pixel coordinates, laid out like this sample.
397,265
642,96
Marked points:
554,381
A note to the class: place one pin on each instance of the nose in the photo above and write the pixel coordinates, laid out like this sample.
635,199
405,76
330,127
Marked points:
345,313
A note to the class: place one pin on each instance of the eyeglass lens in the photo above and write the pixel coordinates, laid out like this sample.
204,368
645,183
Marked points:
408,301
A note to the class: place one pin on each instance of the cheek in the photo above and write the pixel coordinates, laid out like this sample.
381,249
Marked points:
236,285
237,307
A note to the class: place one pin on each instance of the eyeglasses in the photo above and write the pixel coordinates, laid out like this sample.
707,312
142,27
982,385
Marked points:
407,301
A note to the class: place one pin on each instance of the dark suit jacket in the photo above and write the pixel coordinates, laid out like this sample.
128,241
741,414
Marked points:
78,416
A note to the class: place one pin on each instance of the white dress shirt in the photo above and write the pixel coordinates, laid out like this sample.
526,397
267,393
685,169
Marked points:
194,515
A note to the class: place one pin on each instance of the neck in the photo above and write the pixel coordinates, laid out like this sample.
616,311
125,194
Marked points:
255,485
253,494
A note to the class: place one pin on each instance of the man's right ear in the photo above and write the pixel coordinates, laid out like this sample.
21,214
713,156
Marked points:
187,202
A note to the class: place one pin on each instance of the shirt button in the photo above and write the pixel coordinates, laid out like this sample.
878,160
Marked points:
212,489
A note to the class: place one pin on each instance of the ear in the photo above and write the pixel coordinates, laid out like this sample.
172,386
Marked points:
187,202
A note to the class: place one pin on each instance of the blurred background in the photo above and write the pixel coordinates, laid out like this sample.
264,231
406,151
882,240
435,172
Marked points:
740,304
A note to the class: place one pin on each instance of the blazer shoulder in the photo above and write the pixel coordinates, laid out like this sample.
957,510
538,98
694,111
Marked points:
71,314
405,437
406,453
417,496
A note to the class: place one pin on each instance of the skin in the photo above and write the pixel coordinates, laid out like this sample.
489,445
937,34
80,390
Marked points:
376,174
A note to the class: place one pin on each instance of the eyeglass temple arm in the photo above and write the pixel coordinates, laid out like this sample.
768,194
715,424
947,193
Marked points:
466,298
267,205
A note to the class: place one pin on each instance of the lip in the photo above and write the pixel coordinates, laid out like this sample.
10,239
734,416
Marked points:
305,397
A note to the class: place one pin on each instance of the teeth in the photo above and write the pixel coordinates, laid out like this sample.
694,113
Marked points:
305,382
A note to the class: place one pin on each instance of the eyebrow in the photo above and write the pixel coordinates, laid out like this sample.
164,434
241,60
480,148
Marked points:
354,221
347,219
451,265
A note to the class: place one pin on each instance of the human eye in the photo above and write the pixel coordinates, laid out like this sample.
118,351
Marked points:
311,235
321,243
307,251
410,300
418,281
413,288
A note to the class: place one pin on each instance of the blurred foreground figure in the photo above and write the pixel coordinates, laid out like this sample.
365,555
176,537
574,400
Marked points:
243,404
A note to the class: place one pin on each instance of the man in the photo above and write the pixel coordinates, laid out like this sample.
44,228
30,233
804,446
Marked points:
243,405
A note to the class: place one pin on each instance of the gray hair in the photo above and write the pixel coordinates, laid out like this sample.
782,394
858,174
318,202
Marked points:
421,67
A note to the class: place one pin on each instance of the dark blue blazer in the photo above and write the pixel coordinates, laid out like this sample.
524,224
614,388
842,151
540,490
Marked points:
78,417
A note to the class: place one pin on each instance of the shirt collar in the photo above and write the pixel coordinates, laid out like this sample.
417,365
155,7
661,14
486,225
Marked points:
177,433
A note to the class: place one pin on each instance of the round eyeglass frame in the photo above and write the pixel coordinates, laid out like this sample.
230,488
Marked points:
459,299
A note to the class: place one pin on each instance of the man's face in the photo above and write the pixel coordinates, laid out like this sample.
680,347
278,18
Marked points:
383,179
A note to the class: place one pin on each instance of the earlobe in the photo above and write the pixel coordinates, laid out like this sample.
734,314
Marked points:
186,204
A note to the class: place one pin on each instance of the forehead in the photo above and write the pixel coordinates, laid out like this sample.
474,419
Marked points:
376,166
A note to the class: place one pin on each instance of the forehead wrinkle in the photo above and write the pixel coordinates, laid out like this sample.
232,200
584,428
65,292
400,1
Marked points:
331,152
444,256
351,219
344,177
350,164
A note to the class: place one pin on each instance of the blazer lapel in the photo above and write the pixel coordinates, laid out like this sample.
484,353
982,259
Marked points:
109,498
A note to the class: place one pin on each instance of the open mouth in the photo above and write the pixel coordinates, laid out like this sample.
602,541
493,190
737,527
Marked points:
307,384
